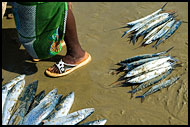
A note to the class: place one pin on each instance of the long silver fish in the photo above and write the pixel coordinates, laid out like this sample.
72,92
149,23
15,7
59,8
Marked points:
6,87
148,66
146,84
169,33
11,101
135,58
62,109
25,101
155,34
137,26
150,75
72,118
153,21
158,87
96,122
147,17
155,30
164,30
41,111
130,66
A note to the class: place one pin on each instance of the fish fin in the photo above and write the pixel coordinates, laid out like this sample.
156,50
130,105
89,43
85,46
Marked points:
142,98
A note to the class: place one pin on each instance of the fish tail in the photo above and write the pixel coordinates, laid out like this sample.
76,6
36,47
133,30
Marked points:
164,5
132,91
158,43
124,34
121,27
142,98
169,49
134,38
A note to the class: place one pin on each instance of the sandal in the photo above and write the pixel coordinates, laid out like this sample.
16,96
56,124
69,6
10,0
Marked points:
65,68
62,44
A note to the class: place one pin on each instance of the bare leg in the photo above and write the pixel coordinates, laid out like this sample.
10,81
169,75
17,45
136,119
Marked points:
74,51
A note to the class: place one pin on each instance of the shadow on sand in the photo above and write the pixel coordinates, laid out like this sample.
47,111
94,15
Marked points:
15,59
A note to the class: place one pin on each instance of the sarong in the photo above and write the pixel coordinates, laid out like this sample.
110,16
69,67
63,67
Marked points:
41,26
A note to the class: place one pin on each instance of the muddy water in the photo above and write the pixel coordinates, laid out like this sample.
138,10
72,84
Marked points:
91,83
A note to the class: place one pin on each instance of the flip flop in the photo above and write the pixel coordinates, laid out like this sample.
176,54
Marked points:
65,68
37,60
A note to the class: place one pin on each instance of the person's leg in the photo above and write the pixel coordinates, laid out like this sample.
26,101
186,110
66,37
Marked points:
74,51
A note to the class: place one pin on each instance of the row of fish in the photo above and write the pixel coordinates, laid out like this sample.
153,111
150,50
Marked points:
154,27
146,70
21,106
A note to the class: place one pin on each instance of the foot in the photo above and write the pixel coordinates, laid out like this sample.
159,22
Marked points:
69,59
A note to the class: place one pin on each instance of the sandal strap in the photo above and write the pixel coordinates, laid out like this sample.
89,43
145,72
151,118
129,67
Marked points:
62,66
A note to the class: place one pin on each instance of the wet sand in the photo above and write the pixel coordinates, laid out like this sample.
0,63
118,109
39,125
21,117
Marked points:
91,83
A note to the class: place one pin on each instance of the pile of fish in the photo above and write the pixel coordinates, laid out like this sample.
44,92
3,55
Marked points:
20,106
146,70
154,27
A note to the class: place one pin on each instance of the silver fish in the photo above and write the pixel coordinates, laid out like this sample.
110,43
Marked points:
147,17
131,65
158,87
11,101
6,87
62,109
164,30
155,80
150,75
24,100
41,111
149,66
96,122
169,33
72,118
135,58
152,22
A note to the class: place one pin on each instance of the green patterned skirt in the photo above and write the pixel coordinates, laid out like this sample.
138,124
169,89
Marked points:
41,26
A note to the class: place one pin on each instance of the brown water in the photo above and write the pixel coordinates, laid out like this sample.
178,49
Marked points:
91,83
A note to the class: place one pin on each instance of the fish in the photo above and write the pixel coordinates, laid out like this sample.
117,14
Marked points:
6,87
148,76
24,100
153,21
158,22
41,111
72,118
11,101
147,17
37,100
152,65
158,87
62,109
147,84
169,33
155,30
135,58
164,30
132,65
49,95
96,122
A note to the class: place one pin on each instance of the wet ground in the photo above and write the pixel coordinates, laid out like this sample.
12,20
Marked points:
91,83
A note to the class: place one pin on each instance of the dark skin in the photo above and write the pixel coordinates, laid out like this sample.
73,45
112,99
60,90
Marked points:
74,51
